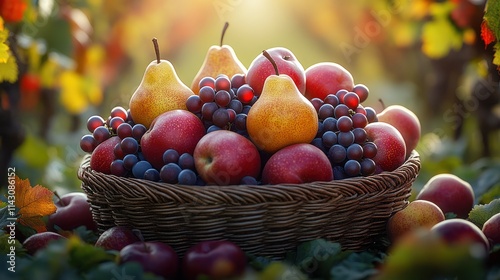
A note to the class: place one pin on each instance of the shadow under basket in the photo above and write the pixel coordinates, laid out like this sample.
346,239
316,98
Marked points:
266,220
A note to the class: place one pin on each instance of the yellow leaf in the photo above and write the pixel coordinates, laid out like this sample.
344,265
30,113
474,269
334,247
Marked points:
9,70
33,203
93,91
48,73
4,48
72,97
439,37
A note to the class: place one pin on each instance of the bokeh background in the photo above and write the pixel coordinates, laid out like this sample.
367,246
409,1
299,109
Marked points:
77,58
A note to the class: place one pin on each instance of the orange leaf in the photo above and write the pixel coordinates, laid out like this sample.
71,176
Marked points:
33,203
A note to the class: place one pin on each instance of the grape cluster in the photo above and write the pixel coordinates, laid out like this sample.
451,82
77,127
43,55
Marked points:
341,134
223,103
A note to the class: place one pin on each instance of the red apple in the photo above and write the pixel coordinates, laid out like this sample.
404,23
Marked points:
73,211
155,257
103,155
417,214
40,240
117,237
327,77
391,147
406,122
177,129
224,157
287,63
214,260
450,193
491,229
297,164
460,231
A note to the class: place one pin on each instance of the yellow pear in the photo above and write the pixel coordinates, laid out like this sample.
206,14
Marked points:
219,60
160,91
282,116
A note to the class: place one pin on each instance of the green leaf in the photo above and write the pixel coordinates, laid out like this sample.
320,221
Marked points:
356,266
482,212
86,256
310,254
126,271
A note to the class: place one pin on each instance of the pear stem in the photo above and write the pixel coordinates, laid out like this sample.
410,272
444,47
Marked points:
226,25
268,56
157,50
381,103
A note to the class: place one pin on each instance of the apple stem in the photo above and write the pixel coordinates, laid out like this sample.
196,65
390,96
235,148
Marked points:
381,103
226,25
138,233
157,50
59,197
268,56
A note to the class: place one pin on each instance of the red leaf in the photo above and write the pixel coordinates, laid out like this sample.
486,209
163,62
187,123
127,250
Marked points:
487,34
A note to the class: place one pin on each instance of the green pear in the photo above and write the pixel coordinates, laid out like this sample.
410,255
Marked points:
219,60
160,91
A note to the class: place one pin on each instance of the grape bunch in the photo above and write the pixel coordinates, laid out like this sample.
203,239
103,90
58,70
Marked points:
223,103
341,134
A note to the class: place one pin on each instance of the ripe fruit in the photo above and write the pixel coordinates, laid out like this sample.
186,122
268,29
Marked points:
491,229
103,155
260,69
284,166
406,122
177,129
450,193
281,116
160,91
460,231
117,237
327,77
224,157
391,147
73,210
155,257
417,214
40,240
214,260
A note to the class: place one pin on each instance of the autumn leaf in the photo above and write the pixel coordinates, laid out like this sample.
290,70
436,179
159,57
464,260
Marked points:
33,203
486,33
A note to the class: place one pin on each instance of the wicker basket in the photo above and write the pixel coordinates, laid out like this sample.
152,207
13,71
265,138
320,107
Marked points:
263,220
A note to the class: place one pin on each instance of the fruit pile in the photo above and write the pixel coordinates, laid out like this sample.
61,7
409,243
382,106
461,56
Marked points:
274,123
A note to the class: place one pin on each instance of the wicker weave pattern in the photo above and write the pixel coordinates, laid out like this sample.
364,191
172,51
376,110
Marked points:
263,220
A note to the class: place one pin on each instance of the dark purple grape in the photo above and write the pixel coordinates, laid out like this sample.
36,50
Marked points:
362,91
117,168
341,110
129,161
352,168
169,173
246,109
344,124
213,128
332,99
207,81
170,155
129,119
88,143
222,82
119,112
359,135
240,121
194,104
339,173
340,95
329,139
368,167
101,134
330,124
371,115
325,111
152,175
360,110
249,181
187,177
186,161
221,117
317,102
237,80
138,131
369,150
359,120
124,130
337,153
222,98
345,138
320,130
207,94
115,122
94,122
236,105
351,100
208,109
245,94
355,152
140,168
118,152
129,145
232,115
